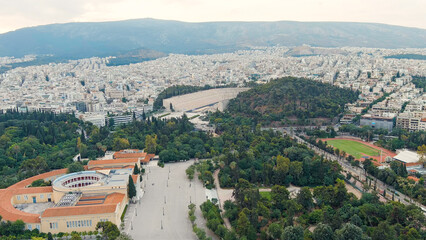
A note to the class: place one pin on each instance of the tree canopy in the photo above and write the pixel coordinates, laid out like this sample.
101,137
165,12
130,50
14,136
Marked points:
289,97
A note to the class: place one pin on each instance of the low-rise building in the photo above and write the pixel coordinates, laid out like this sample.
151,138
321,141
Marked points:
408,158
75,201
377,122
411,121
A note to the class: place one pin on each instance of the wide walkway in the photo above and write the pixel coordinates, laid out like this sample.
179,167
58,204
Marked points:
162,213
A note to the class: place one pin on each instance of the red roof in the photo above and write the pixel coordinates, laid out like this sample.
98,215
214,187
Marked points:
114,198
148,158
79,210
8,212
109,205
413,178
122,167
129,153
131,161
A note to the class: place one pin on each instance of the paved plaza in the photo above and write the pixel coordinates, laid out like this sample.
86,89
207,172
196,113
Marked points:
162,213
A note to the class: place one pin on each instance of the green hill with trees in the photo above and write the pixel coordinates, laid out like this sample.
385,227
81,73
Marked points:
289,98
419,82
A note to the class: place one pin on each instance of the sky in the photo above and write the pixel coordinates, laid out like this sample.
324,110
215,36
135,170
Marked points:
15,14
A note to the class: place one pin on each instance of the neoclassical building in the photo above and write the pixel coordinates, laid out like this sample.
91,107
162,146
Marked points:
75,201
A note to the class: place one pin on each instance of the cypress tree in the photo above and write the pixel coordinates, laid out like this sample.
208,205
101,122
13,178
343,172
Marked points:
131,188
136,169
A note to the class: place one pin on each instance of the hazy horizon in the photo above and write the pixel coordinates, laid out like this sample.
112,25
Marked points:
23,13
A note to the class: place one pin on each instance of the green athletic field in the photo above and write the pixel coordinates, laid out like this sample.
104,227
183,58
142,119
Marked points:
353,148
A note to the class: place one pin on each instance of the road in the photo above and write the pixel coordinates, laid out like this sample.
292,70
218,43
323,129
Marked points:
162,213
355,171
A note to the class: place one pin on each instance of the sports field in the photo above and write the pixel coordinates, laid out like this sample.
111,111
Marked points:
353,148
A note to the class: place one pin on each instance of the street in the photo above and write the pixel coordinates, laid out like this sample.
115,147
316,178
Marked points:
162,213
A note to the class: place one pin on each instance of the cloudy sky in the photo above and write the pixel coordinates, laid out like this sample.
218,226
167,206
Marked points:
16,14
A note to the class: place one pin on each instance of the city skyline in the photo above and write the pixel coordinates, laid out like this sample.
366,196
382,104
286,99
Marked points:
22,13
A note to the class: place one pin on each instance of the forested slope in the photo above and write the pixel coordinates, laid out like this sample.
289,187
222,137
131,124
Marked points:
33,143
291,97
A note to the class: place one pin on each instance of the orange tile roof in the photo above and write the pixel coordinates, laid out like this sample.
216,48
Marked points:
79,210
93,197
114,198
10,213
413,178
113,161
33,190
30,180
123,167
413,164
148,158
109,205
129,153
93,202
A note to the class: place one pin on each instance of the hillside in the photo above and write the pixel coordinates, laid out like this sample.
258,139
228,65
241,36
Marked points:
292,98
78,40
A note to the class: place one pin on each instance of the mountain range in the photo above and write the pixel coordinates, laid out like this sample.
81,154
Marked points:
87,39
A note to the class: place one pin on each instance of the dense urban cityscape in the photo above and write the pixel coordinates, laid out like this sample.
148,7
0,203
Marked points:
91,88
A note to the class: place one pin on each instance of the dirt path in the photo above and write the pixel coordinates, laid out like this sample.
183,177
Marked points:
353,190
223,194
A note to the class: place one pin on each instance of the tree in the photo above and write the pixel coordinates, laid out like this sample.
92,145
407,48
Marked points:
111,122
75,236
292,233
337,151
279,196
131,188
109,230
167,156
412,234
296,169
49,236
275,230
151,143
304,198
31,167
350,232
384,231
356,220
136,170
281,169
421,150
75,167
241,191
124,236
120,143
323,232
243,224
